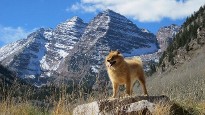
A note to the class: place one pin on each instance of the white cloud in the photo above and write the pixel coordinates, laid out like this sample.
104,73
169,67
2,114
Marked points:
142,10
11,34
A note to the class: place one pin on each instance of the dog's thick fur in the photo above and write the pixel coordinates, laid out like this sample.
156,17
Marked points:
124,72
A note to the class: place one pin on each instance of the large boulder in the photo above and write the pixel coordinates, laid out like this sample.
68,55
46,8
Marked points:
128,105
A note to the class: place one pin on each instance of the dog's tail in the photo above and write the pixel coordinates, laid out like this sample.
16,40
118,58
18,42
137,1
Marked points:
138,60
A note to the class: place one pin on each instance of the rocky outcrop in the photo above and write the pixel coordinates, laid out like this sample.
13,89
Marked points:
137,105
128,105
165,35
201,35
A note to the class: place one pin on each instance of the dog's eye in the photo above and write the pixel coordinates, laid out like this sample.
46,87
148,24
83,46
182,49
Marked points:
113,57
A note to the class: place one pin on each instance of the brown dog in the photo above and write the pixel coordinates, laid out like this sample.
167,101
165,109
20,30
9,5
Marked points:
124,72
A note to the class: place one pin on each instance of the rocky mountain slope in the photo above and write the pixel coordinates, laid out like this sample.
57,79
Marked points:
75,50
38,56
165,35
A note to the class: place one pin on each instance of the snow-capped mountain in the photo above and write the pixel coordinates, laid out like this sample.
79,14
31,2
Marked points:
107,31
76,50
166,34
40,54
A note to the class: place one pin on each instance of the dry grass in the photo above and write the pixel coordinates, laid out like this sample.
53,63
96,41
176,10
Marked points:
162,109
11,107
201,107
66,103
62,108
195,108
18,105
23,106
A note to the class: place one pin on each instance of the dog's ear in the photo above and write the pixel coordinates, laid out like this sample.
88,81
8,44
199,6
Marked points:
117,51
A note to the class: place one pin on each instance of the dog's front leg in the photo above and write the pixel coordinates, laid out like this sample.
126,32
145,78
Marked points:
115,87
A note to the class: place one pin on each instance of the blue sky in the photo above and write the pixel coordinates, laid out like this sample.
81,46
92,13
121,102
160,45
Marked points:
18,18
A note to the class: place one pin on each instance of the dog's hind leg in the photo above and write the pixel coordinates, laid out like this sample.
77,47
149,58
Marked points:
132,86
143,85
128,86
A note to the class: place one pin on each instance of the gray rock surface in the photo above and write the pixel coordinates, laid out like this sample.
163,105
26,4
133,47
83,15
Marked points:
165,35
120,106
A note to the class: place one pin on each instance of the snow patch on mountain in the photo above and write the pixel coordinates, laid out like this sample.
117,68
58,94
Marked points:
144,50
145,30
62,53
12,48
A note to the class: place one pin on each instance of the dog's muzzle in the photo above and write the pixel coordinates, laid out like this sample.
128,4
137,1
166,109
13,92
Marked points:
111,63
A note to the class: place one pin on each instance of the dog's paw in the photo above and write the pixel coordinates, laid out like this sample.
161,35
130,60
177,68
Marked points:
111,98
145,95
126,95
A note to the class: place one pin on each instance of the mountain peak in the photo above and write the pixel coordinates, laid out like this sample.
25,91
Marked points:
70,23
173,25
109,11
114,15
75,18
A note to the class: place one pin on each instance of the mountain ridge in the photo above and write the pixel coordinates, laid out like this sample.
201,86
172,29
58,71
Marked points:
43,50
